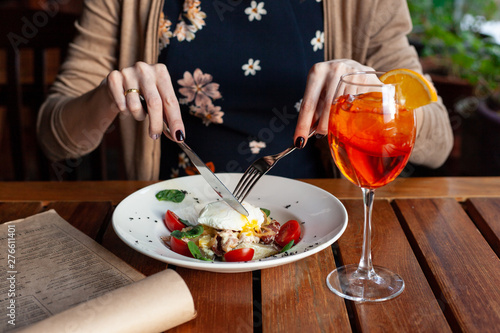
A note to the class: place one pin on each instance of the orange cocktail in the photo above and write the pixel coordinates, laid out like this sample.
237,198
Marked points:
371,140
371,133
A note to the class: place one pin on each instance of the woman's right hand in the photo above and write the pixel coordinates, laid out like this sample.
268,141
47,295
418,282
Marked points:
155,85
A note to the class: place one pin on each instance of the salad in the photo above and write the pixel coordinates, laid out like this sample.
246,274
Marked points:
222,234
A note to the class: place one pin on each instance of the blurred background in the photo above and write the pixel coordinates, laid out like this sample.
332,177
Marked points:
458,42
459,46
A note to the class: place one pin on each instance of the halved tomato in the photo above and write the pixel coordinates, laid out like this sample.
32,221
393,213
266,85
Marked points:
288,232
179,246
172,221
245,254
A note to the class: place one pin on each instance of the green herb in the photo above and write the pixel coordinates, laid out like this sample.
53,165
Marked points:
266,211
193,233
287,246
171,195
195,251
185,222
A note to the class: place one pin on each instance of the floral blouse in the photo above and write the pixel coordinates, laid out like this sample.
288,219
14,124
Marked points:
239,69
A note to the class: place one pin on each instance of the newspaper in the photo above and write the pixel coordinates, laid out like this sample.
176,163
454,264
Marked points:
57,279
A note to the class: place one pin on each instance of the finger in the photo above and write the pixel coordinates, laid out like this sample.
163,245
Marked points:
349,89
322,127
367,83
114,83
153,106
171,108
308,106
131,81
324,106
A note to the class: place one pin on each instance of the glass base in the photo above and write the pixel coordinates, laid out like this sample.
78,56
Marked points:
379,284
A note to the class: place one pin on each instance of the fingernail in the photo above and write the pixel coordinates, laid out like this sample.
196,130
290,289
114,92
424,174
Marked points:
320,136
299,142
179,135
155,136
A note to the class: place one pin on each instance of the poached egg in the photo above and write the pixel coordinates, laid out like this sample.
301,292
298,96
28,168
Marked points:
219,215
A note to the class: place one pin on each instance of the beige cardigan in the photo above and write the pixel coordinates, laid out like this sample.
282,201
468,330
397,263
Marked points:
117,33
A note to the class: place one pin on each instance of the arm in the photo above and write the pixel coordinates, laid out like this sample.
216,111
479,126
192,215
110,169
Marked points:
89,93
377,40
69,120
388,49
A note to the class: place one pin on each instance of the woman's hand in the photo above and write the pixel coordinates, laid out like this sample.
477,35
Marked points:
155,85
322,81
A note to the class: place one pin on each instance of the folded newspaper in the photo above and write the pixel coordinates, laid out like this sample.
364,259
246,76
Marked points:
57,279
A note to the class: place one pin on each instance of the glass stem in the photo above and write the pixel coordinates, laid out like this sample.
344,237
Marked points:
365,266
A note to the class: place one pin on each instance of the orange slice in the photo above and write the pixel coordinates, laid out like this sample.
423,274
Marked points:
414,89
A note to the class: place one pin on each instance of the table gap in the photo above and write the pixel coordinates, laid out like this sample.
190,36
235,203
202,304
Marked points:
438,294
475,218
104,226
257,302
351,313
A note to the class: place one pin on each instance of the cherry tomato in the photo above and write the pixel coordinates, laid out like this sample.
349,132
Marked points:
172,221
245,254
179,246
288,232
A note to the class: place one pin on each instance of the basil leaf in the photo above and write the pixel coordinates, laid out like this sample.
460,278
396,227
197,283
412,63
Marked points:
171,195
287,246
195,251
177,234
193,233
266,211
186,222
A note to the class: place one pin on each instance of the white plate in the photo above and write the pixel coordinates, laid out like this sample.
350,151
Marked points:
138,219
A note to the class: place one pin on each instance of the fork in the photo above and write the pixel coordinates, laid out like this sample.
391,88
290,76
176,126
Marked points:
258,169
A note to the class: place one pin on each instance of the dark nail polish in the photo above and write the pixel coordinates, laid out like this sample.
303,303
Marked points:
299,142
179,135
320,136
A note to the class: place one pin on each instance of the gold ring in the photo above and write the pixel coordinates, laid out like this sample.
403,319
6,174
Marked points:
131,91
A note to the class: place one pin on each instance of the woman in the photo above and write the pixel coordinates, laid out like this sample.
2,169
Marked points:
228,75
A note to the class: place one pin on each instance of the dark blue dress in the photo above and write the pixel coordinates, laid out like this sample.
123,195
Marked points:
239,69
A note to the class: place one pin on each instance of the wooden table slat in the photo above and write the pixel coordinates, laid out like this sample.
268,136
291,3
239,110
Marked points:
89,217
449,244
459,188
223,301
18,210
295,297
486,214
115,191
391,249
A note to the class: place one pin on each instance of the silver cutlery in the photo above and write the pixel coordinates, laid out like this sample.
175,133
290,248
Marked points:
205,172
259,168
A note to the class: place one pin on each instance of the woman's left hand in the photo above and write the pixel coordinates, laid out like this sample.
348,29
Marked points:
322,81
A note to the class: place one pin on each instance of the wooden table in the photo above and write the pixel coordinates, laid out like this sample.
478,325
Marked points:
440,234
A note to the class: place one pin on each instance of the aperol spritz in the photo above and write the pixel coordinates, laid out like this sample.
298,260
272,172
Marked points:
371,136
371,142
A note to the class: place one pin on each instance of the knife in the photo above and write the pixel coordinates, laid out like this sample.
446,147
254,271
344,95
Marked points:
204,171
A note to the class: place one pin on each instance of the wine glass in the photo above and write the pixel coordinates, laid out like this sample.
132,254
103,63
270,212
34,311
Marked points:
371,135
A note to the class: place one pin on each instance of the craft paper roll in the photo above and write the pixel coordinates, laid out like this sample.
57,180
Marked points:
154,304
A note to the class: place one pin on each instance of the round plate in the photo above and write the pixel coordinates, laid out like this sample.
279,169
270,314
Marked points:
138,219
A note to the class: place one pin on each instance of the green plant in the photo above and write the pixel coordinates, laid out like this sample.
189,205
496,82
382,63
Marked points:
464,53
